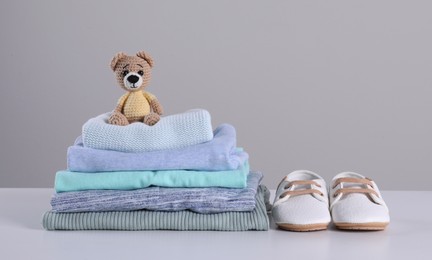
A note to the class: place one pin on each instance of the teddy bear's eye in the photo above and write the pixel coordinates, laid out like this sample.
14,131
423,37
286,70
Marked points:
141,72
125,72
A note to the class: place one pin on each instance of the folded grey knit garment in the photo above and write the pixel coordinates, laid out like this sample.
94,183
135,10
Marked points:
201,200
162,220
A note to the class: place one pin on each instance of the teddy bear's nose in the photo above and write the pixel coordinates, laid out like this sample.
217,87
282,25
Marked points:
132,79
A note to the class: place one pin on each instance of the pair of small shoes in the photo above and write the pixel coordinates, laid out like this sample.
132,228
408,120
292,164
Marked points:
303,203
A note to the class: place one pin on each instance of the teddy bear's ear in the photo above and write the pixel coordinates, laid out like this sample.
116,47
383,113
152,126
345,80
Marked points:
116,59
146,57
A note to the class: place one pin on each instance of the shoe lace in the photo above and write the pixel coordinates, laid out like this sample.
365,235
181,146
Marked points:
300,192
366,181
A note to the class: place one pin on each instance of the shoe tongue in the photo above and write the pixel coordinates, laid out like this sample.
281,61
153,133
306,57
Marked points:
353,185
352,175
308,186
349,175
302,175
320,182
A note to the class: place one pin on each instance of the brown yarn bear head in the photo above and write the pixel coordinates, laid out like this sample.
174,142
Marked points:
133,72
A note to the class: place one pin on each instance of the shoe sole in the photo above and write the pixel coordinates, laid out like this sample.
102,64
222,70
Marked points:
362,226
303,228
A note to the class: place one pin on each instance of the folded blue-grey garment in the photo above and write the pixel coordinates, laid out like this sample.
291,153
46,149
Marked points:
163,220
171,132
201,200
216,155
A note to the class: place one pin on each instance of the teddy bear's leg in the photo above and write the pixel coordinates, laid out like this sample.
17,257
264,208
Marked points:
118,118
151,119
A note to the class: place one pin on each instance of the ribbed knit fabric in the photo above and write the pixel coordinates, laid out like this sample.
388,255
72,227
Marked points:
159,220
218,154
201,200
171,132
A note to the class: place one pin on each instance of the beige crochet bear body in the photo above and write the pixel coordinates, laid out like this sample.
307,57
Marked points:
133,74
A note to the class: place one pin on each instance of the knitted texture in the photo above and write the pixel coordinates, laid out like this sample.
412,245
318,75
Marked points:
133,74
172,132
161,220
201,200
218,154
135,106
130,180
121,62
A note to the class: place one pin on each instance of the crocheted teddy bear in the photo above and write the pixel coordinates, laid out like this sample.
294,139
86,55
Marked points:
133,74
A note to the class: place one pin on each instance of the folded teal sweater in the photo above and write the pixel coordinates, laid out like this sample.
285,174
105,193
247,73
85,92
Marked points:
130,180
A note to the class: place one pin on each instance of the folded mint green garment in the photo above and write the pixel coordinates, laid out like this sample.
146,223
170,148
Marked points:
201,200
163,220
130,180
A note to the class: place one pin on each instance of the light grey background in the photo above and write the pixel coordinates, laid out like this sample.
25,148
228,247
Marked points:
321,85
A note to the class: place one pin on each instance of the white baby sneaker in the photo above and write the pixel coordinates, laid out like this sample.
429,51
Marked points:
356,203
301,202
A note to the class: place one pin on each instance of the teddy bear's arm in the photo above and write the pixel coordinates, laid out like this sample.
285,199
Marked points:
154,103
120,102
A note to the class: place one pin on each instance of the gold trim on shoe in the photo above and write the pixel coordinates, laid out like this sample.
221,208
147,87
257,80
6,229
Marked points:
303,228
362,226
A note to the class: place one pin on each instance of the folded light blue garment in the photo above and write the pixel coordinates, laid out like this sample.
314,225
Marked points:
130,180
163,220
201,200
216,155
171,132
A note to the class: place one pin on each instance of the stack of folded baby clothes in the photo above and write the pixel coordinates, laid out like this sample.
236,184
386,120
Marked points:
176,175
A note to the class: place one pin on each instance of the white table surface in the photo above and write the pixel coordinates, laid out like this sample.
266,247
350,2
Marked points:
409,236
